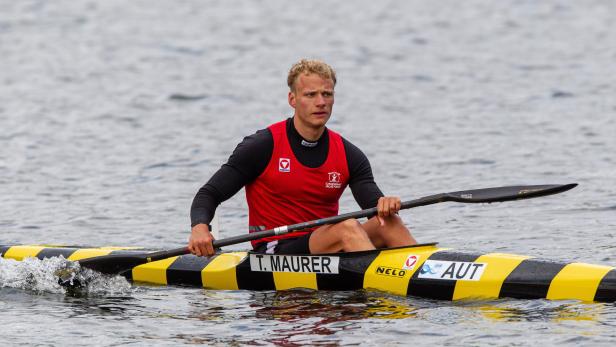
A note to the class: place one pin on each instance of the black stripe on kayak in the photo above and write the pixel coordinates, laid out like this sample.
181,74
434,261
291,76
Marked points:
55,252
606,291
253,280
436,288
530,279
129,272
3,250
352,268
186,270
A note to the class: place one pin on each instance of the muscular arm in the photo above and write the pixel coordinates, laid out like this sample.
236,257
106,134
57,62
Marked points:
248,161
364,189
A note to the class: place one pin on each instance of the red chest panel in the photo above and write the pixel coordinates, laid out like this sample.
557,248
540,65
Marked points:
288,192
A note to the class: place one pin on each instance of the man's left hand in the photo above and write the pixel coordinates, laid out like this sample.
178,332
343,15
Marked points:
387,206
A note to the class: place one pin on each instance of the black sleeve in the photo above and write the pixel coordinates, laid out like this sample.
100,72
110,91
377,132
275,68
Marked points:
248,161
364,189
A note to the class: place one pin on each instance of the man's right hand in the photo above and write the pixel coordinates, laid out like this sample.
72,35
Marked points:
200,241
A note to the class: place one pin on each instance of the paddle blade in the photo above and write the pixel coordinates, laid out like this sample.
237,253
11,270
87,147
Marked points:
507,193
114,263
117,263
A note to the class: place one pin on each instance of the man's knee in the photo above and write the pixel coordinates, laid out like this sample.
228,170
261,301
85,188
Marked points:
352,230
350,224
393,220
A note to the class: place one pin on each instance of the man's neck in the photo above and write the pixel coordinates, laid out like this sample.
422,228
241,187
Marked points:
306,132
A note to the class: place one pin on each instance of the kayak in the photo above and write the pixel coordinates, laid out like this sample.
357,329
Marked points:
424,270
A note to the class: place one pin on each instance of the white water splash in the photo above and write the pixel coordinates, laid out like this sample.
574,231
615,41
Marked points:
95,283
37,275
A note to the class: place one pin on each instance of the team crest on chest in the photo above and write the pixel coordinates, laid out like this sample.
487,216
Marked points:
284,164
334,180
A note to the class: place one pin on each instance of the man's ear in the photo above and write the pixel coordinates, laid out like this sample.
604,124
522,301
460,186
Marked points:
292,101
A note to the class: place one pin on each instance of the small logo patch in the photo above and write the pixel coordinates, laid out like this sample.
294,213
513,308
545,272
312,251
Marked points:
410,262
334,180
390,271
284,164
452,270
309,144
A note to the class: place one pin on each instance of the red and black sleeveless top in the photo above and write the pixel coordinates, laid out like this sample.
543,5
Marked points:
288,192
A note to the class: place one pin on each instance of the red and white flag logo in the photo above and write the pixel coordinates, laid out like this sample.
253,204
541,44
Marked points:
284,165
333,180
334,177
410,262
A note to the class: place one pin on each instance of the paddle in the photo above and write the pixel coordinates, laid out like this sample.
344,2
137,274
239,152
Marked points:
118,263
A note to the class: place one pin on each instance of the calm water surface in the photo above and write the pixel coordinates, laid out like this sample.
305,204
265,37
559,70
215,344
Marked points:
114,113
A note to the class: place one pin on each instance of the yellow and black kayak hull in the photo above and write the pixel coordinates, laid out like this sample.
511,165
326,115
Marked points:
424,271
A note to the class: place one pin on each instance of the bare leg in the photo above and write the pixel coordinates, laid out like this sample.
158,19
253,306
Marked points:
393,234
346,236
350,235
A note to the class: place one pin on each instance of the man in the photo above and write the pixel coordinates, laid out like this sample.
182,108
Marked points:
295,171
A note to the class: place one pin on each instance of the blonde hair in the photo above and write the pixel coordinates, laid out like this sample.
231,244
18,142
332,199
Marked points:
308,66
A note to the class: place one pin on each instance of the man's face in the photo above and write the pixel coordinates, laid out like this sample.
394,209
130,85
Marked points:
312,100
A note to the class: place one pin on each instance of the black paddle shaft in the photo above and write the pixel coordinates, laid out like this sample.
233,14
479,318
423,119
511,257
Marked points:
485,195
117,263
